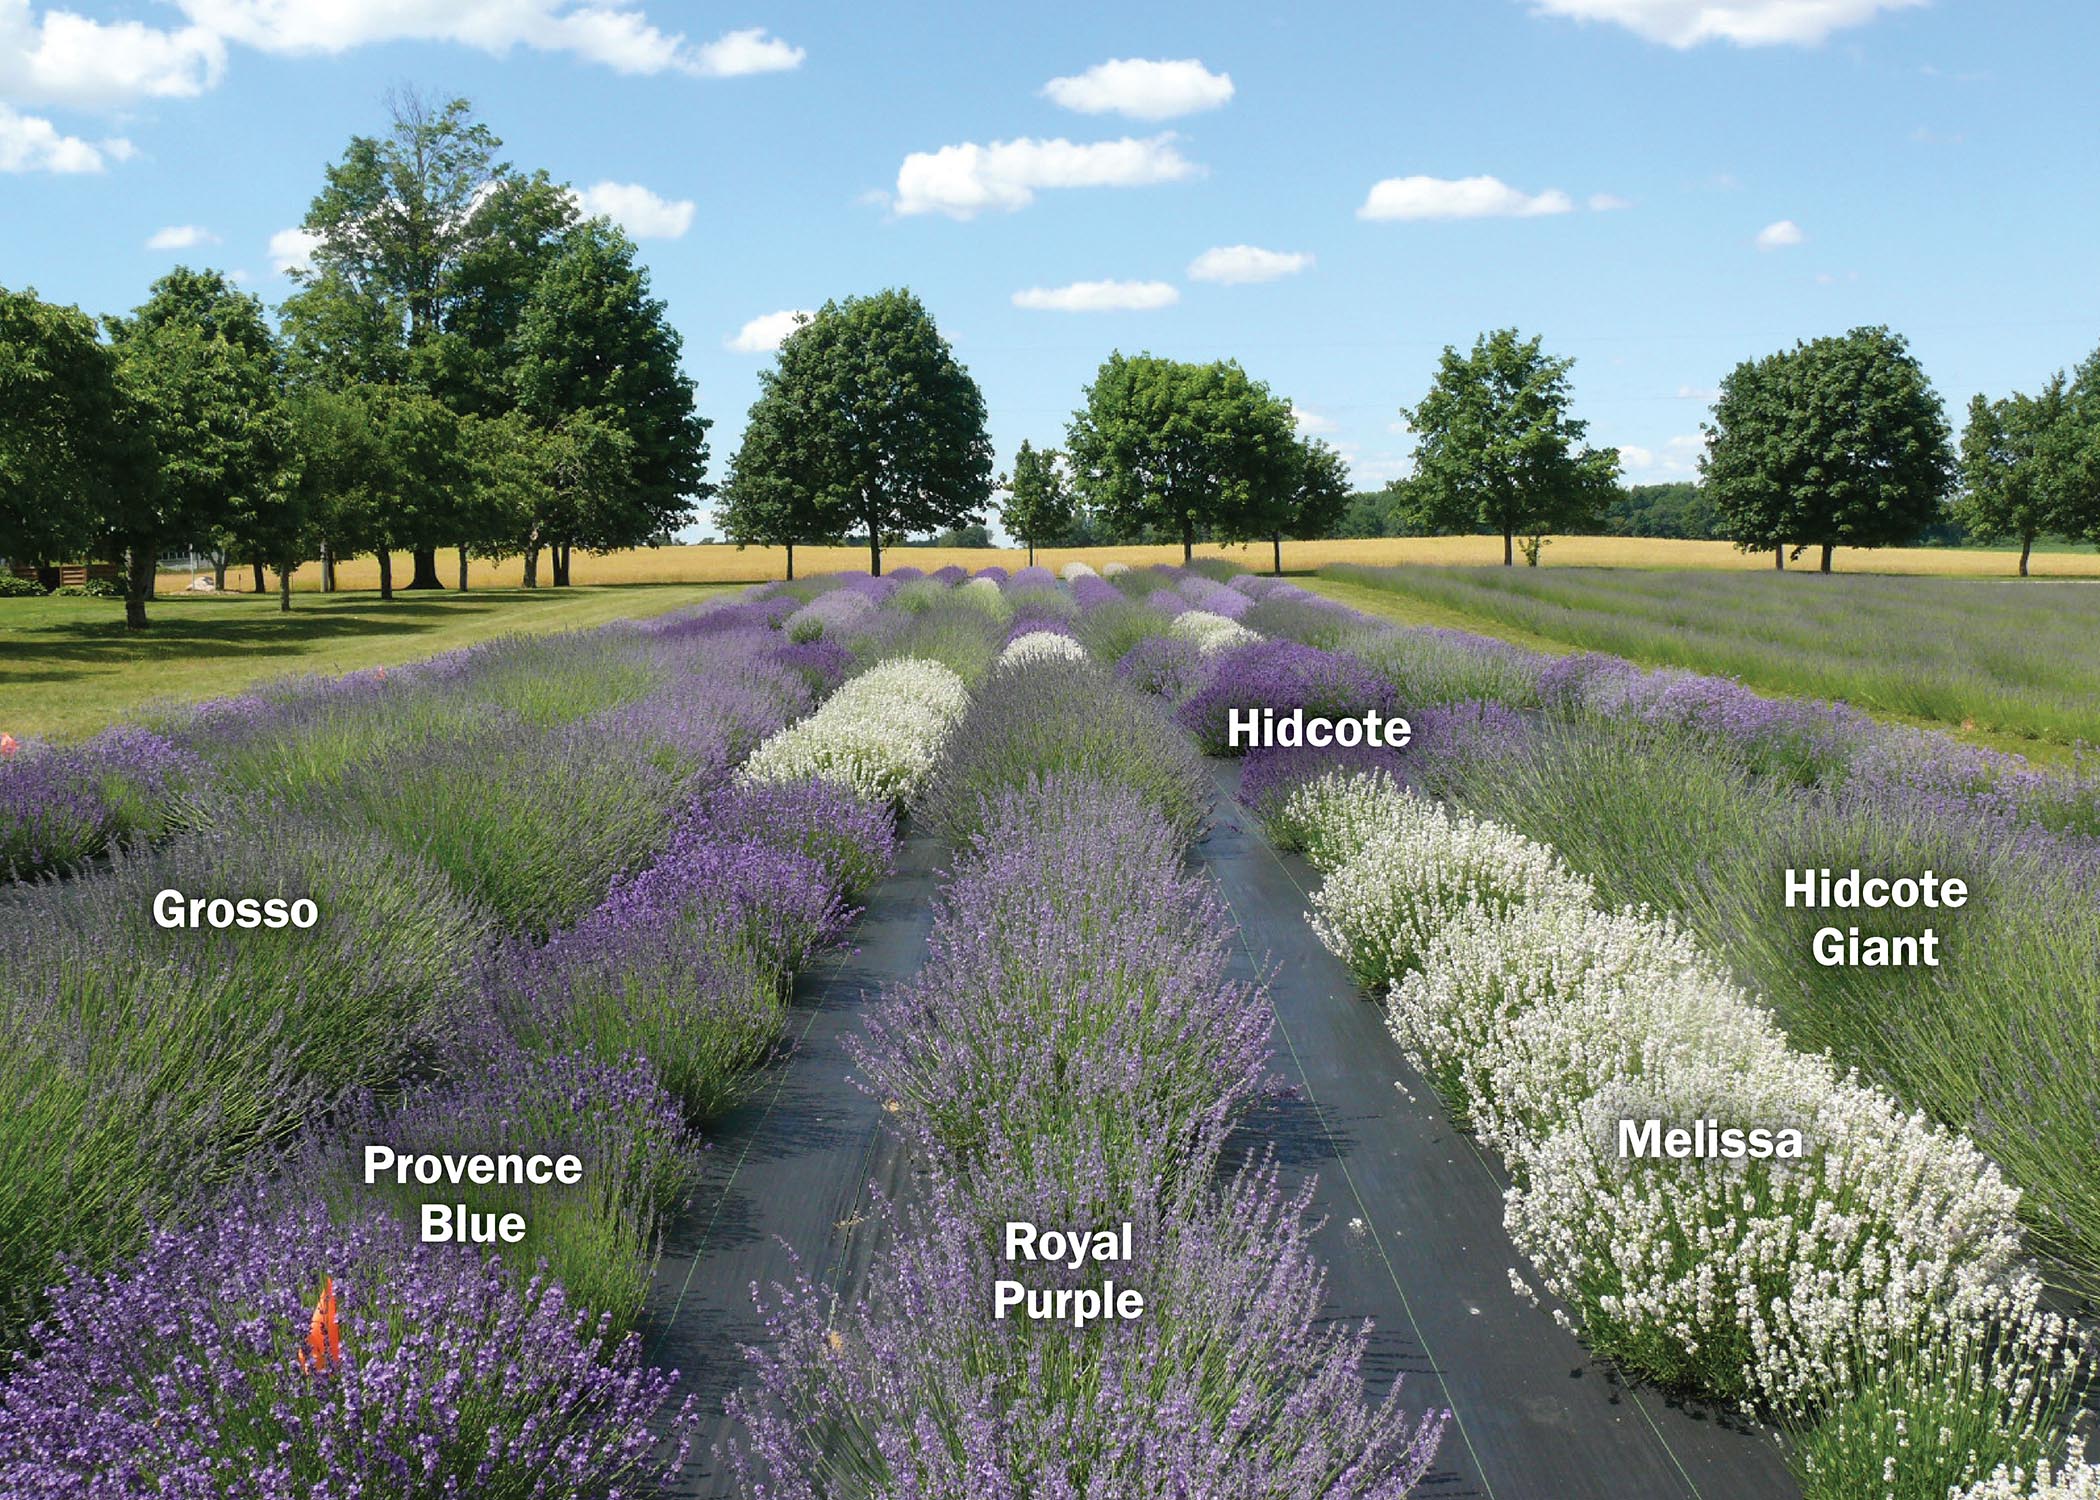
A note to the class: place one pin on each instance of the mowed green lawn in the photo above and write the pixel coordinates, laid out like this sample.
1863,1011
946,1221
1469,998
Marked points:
69,667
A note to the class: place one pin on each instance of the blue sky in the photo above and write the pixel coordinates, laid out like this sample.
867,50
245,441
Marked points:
1329,193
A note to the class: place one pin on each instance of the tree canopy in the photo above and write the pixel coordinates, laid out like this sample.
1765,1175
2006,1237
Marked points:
64,431
1167,448
1835,442
1497,451
1038,506
866,420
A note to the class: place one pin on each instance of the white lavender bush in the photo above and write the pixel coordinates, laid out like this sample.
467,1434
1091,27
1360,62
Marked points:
880,734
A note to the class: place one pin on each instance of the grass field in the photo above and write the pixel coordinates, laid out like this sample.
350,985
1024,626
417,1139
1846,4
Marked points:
69,667
723,564
2002,657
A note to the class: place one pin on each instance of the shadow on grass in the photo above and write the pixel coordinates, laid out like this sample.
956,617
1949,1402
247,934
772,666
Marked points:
249,626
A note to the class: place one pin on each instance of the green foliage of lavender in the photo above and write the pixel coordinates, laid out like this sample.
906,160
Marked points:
1069,718
1110,629
1940,1415
534,826
2010,655
148,1065
596,1238
962,639
2002,1039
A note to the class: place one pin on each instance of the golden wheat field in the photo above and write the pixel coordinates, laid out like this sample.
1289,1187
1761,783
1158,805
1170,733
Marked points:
725,564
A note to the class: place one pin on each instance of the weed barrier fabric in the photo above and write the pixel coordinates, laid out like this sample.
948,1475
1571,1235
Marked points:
793,1165
1414,1241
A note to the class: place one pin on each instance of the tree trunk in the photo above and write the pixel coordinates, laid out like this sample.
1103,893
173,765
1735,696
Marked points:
561,565
2026,547
386,573
284,586
218,575
426,573
1828,548
874,550
1276,542
138,583
463,568
532,561
1509,547
327,569
1188,539
261,585
1031,550
1779,557
791,562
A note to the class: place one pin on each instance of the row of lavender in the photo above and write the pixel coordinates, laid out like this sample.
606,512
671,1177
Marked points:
1872,1296
563,886
1073,1055
1693,795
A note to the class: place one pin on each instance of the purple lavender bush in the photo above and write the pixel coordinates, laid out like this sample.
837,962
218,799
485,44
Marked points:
60,805
1291,613
686,964
1232,1383
179,1375
144,1062
1062,717
1280,676
1077,989
854,840
1163,665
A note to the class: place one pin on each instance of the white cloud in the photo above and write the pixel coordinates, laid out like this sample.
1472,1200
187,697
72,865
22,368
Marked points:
1779,234
31,144
1698,393
637,210
1458,198
1605,203
1308,420
290,249
181,237
1234,265
1678,458
1100,296
962,181
612,33
762,335
1141,88
738,53
63,58
1747,23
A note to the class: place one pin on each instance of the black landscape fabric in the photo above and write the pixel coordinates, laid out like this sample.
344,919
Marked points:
1414,1241
793,1166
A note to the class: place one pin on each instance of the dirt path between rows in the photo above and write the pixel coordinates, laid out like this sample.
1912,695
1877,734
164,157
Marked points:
1414,1241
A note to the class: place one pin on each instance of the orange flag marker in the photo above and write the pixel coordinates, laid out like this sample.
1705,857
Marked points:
324,1338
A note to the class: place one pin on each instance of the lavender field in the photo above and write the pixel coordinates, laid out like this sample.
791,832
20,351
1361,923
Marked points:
1996,654
1211,1015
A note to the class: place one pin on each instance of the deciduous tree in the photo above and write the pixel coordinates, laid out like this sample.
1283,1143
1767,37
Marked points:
1038,505
1497,451
1162,446
63,434
871,422
1835,442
